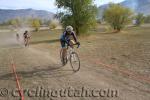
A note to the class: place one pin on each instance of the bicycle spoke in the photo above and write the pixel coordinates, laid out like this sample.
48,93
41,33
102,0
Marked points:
75,62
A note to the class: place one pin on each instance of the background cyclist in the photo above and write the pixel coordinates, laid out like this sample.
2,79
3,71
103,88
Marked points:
26,38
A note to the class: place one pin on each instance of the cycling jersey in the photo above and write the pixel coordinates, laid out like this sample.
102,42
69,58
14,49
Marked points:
66,37
26,35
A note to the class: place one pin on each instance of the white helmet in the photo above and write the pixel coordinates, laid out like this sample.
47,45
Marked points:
69,28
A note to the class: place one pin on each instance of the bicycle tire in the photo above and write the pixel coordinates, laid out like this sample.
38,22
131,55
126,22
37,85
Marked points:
71,62
26,43
62,58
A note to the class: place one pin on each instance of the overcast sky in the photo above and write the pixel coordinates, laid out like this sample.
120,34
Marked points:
48,5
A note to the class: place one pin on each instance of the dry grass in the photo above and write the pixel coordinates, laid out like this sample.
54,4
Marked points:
39,65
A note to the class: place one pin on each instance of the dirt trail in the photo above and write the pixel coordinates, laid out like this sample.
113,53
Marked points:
37,66
92,78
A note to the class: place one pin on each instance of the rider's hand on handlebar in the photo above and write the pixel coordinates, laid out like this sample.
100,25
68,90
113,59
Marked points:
78,43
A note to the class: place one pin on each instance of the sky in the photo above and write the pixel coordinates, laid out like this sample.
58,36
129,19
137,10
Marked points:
48,5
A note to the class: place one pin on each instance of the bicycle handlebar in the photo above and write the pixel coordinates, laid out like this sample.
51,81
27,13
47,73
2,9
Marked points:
75,44
78,45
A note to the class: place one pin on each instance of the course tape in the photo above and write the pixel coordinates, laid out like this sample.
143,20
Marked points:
17,80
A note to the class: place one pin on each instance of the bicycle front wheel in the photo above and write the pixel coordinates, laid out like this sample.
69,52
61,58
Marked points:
75,61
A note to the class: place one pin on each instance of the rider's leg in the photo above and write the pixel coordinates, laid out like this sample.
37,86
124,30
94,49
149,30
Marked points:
64,49
64,52
27,41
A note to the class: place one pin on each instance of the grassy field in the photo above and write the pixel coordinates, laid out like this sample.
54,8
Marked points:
108,60
130,46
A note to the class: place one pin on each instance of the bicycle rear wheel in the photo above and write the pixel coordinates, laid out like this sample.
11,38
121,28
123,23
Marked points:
61,56
25,43
75,61
63,60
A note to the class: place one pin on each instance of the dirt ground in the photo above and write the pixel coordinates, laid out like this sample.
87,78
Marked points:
117,62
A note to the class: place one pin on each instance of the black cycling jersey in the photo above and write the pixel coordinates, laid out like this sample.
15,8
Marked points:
25,35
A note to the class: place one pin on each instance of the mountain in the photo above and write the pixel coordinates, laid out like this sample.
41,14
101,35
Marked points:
6,14
138,6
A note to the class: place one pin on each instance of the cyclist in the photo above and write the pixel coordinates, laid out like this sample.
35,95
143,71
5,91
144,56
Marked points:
26,38
17,37
68,38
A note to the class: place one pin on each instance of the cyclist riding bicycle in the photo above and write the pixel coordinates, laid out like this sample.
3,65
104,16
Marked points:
26,38
17,37
68,38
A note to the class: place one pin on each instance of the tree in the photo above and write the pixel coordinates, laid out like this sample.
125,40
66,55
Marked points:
36,24
14,22
6,22
117,16
147,19
81,14
53,24
139,19
45,22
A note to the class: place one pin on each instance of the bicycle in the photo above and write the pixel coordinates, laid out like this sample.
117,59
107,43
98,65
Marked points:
26,41
71,56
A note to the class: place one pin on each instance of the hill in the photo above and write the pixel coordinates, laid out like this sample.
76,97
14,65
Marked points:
138,6
6,14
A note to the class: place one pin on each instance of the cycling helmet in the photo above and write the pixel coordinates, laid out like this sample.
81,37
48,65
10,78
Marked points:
26,31
69,28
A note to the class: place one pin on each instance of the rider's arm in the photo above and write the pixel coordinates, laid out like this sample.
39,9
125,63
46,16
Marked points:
23,34
74,36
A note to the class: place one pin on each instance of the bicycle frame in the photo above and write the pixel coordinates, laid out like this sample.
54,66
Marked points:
72,57
26,41
69,51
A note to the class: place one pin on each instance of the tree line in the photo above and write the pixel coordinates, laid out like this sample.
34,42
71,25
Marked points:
36,23
82,15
